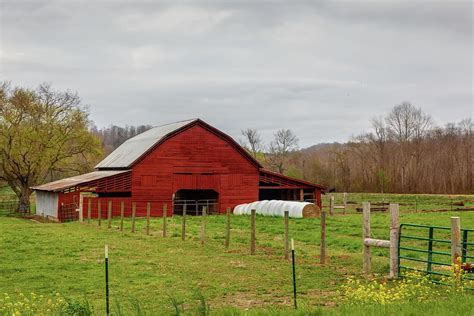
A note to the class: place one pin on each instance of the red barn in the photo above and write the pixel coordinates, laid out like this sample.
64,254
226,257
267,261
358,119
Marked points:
184,163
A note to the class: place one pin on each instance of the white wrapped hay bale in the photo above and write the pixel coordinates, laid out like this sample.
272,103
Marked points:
296,209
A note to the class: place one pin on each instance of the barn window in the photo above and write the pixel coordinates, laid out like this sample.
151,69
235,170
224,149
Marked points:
195,201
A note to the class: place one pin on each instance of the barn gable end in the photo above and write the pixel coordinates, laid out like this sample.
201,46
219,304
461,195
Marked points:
196,159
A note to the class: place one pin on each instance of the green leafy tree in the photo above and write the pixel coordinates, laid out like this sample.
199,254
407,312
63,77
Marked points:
42,132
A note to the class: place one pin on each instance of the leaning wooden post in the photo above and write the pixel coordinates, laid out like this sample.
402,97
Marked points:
331,205
227,229
286,236
322,257
109,215
456,248
203,225
99,212
148,210
252,232
183,224
366,234
164,219
122,207
89,206
134,212
394,231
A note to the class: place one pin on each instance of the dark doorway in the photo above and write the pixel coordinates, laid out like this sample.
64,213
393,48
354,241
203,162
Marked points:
195,201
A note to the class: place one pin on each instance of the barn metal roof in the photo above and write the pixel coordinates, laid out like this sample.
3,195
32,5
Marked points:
267,175
59,185
131,150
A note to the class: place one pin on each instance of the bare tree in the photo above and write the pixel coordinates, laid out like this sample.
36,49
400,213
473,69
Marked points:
252,137
408,125
406,122
284,142
379,139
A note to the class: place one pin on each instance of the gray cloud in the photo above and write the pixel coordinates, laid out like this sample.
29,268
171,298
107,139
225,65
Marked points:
321,68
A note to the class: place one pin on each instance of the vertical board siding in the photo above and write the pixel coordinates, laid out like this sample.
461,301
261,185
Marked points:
195,159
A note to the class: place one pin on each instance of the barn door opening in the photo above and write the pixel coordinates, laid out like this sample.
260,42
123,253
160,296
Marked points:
195,201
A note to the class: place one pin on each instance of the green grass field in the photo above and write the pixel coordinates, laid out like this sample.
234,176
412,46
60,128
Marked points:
46,258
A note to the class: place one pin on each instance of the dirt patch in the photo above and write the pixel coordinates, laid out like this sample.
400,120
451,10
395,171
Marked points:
38,219
466,209
246,300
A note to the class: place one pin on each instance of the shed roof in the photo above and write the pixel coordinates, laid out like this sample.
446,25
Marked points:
132,149
285,181
59,185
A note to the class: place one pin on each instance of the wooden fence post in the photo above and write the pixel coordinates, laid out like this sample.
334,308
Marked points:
89,206
121,215
183,224
227,228
109,215
366,234
252,232
394,231
203,225
165,206
456,248
286,241
331,205
344,200
322,257
99,212
134,212
148,210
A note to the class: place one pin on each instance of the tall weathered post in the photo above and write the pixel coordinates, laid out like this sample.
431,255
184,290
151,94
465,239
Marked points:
286,236
134,212
164,219
148,211
456,248
227,229
89,206
99,211
109,215
331,205
322,257
394,232
252,232
183,224
122,209
344,201
203,225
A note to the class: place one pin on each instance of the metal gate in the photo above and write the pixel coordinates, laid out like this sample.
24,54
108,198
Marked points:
427,249
195,207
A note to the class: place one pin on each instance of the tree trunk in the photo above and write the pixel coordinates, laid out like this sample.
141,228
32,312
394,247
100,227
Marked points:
24,200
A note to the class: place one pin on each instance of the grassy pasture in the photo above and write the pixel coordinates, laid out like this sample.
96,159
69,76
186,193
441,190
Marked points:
407,202
46,258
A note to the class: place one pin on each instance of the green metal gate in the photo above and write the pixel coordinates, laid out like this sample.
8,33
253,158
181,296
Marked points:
427,249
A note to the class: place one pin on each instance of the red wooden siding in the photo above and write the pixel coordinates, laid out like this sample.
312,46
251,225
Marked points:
195,159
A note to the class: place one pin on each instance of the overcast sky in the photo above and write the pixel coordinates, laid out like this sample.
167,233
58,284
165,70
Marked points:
319,68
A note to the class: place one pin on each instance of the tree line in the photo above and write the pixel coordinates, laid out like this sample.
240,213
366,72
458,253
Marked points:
113,136
403,153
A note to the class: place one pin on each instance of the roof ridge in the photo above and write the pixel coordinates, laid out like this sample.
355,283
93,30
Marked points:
181,121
